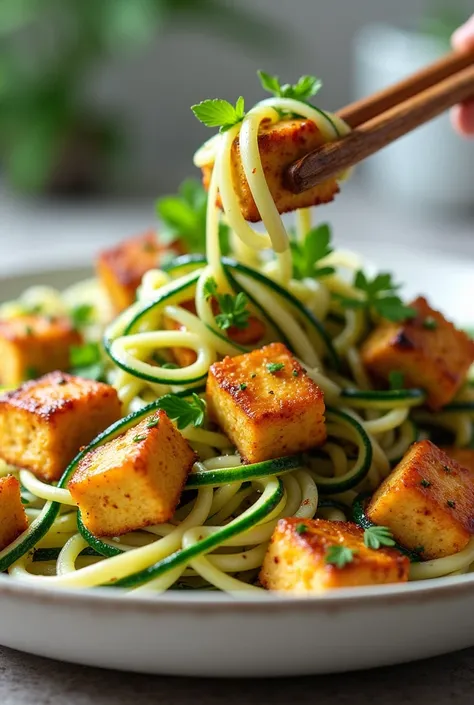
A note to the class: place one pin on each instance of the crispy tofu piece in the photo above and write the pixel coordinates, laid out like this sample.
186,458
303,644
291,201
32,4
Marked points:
254,332
44,423
135,480
32,345
296,558
13,519
427,502
463,456
279,146
266,414
429,351
122,267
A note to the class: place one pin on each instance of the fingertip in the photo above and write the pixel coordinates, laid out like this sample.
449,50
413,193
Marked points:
463,37
462,117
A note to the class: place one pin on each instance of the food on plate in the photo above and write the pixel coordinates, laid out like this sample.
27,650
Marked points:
45,422
13,519
314,555
246,408
33,344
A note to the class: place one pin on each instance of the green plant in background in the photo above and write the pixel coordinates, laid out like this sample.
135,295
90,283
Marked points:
441,21
49,139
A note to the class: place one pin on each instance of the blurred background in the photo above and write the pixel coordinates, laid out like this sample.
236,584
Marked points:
95,119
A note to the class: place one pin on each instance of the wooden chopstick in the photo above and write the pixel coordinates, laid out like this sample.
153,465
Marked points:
387,115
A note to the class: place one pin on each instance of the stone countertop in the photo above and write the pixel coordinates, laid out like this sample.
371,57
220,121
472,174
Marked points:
45,235
30,680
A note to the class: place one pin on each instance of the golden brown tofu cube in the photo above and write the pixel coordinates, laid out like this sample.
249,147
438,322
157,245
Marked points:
134,480
463,456
279,146
32,345
296,559
122,267
427,502
44,423
266,403
13,519
428,350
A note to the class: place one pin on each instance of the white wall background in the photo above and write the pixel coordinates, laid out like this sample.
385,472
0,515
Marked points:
152,91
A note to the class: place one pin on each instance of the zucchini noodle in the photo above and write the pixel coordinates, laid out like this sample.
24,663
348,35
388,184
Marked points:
219,534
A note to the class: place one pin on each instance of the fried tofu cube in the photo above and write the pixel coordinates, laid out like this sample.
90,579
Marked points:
122,267
296,559
32,345
251,334
13,519
279,145
463,456
44,423
266,403
135,480
427,502
427,349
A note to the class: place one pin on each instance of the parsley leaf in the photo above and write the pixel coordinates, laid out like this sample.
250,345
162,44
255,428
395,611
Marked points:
184,411
396,380
339,555
273,367
86,361
82,315
306,255
305,88
233,310
220,113
183,217
377,536
379,296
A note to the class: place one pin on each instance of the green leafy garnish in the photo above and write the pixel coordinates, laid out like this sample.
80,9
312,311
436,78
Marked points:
430,323
301,529
339,555
139,439
86,361
305,88
306,255
216,112
82,315
377,536
233,310
396,380
183,217
273,367
152,423
185,412
378,295
242,386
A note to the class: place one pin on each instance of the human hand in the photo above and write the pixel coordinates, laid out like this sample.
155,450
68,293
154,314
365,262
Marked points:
463,115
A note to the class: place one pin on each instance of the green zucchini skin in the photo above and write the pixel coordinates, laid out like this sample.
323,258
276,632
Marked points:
244,473
384,399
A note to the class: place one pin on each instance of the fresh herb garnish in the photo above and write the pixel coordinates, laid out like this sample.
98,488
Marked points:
183,217
253,375
396,380
305,88
301,528
242,386
185,412
446,468
377,536
139,438
379,296
274,367
306,255
295,373
28,330
430,323
233,310
152,423
31,373
86,361
339,555
451,503
82,315
220,113
425,483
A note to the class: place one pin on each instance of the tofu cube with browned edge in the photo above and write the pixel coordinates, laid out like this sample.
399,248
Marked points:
427,349
121,268
13,519
279,145
135,480
463,456
32,345
266,403
427,502
45,422
296,559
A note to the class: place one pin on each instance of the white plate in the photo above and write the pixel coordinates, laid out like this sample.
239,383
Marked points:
218,635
